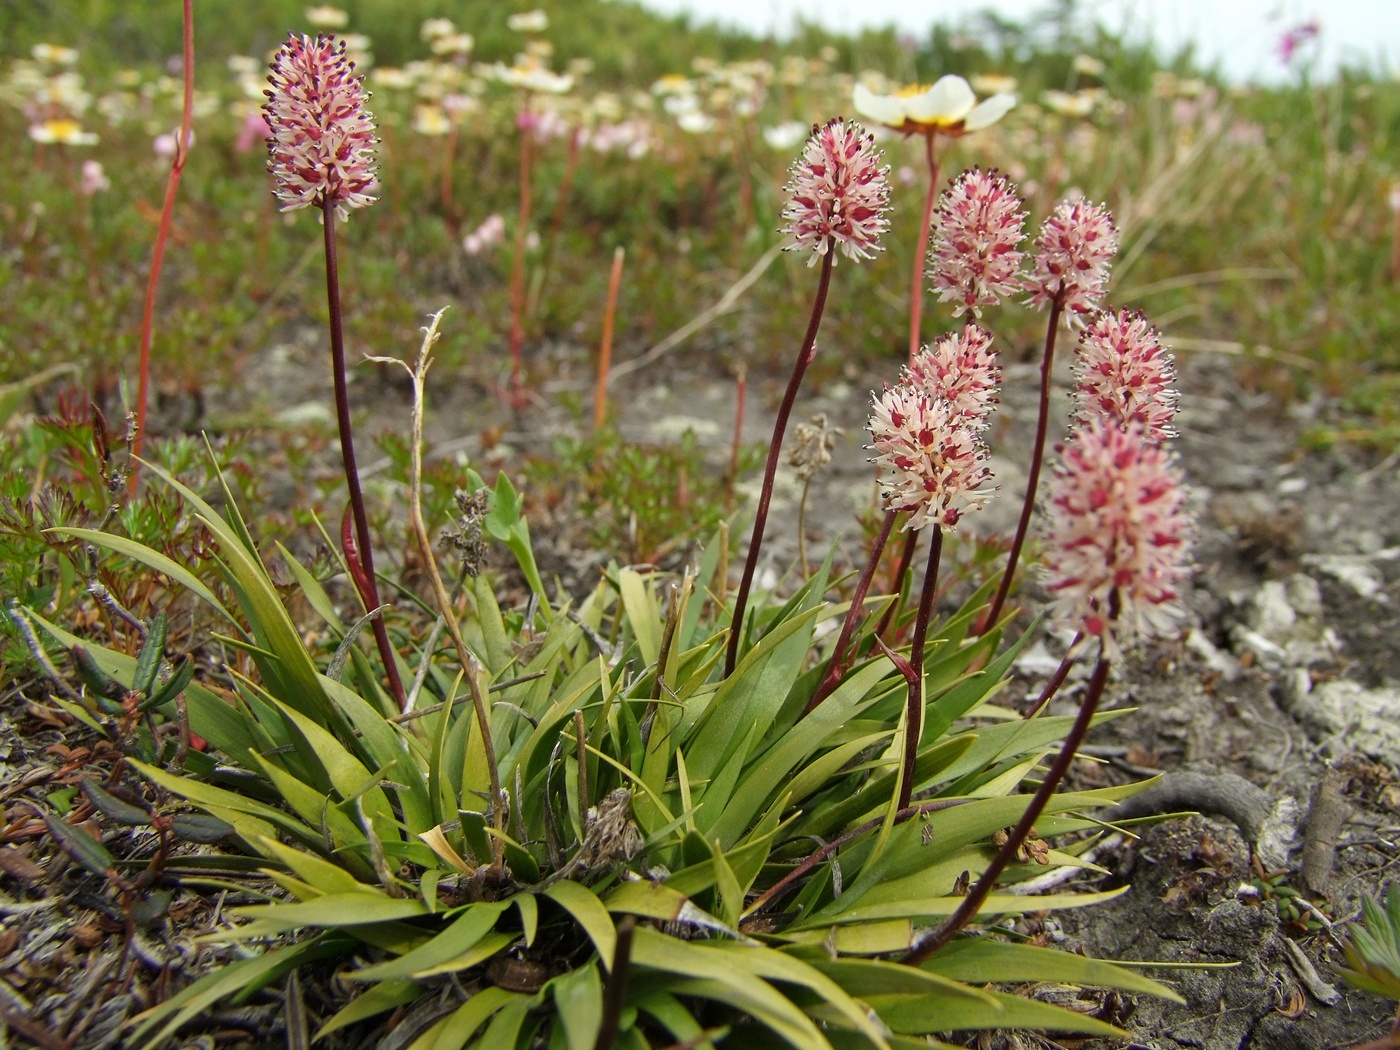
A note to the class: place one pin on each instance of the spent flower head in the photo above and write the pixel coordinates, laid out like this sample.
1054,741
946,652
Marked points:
321,153
962,369
1119,543
931,462
974,258
1123,374
1072,255
840,193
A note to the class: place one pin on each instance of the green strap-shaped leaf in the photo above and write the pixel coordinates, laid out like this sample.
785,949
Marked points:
334,910
578,997
589,912
377,1000
461,935
948,1012
985,960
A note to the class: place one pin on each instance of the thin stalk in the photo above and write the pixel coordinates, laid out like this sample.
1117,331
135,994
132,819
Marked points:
901,572
740,390
600,397
364,555
765,496
465,657
916,290
1058,678
914,724
615,991
517,266
1033,478
167,211
978,894
836,666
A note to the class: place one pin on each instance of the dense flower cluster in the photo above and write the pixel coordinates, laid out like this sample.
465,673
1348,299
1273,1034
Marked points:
1072,256
1120,536
839,193
962,369
931,461
321,152
1123,375
974,258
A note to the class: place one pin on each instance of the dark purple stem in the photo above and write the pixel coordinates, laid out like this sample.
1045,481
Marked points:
1057,679
906,558
1033,479
978,894
804,358
836,666
347,452
914,723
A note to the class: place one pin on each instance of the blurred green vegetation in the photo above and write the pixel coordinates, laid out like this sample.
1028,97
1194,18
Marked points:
1256,222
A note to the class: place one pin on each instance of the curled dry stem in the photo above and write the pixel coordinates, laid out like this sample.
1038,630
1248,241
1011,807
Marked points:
470,664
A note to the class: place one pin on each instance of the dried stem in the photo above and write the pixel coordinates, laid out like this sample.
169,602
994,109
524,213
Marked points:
765,496
467,659
914,724
1037,457
978,894
615,992
369,587
836,666
167,211
600,397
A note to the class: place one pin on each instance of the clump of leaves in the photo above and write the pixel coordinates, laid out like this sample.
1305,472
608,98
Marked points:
674,857
1373,947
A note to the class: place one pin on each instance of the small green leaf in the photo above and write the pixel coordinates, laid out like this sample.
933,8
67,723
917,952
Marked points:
171,688
151,654
578,995
589,912
108,805
383,996
78,844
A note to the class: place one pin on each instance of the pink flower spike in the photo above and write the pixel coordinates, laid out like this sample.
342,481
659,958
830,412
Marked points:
1072,255
839,193
930,460
1124,375
980,224
962,369
1119,544
321,153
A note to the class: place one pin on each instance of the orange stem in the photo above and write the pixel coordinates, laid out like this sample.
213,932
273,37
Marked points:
600,399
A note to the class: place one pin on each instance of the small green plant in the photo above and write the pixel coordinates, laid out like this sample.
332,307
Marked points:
1373,947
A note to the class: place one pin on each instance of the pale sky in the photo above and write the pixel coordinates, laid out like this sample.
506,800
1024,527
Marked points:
1242,34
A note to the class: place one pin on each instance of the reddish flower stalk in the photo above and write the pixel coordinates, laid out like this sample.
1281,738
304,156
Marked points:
517,265
600,398
1073,251
321,155
839,194
167,211
914,715
916,289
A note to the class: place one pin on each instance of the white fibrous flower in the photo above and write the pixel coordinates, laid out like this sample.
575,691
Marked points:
931,461
962,369
974,258
839,193
321,153
1118,549
1072,256
1124,374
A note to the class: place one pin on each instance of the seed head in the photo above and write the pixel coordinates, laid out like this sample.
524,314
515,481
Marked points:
839,193
1123,374
961,369
931,461
321,153
1072,255
1119,545
973,259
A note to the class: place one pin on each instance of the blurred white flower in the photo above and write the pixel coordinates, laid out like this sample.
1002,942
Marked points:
529,22
324,16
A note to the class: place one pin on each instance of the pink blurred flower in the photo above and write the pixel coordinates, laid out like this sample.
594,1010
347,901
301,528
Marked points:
1296,37
321,153
490,234
1124,375
1119,543
94,179
254,132
930,460
840,193
164,145
974,259
1072,256
961,369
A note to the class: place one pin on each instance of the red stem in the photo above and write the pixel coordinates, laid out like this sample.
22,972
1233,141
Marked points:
804,358
837,665
906,558
1033,479
365,552
916,291
517,266
978,894
167,211
600,398
914,724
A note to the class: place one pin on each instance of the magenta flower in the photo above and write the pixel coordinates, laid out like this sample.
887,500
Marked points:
961,369
974,259
1119,545
840,193
1124,375
931,462
1072,255
321,152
